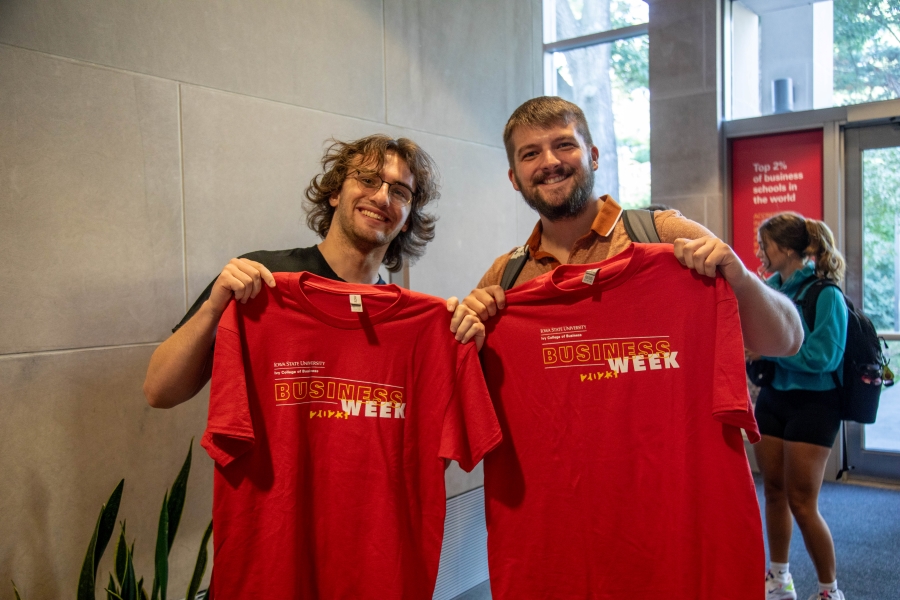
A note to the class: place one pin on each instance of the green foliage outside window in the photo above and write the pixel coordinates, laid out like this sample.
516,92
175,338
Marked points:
866,51
881,211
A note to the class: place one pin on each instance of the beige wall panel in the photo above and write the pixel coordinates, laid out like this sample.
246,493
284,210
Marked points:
325,54
684,148
74,424
458,68
682,48
715,216
90,205
247,163
477,217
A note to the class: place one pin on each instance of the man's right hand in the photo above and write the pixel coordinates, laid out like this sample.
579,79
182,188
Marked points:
181,365
241,278
486,301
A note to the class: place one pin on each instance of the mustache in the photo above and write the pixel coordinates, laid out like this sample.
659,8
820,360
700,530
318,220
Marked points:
564,170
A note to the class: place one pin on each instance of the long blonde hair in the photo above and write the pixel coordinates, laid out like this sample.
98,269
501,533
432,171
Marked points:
806,237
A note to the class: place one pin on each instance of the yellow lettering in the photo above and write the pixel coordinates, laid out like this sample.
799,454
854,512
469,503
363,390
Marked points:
549,356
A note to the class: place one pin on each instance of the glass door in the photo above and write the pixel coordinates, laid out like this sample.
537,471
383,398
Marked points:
872,159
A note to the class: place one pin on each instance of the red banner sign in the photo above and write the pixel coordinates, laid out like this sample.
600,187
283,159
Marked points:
772,174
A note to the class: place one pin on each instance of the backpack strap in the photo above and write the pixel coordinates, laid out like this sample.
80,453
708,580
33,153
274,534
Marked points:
640,226
517,260
806,299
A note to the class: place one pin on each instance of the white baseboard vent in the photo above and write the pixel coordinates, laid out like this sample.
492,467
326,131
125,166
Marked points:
464,552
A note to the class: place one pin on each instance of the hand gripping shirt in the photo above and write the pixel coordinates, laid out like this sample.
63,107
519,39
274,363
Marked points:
620,391
329,428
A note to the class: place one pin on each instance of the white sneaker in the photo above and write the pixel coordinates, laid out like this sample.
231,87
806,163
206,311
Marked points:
835,595
780,590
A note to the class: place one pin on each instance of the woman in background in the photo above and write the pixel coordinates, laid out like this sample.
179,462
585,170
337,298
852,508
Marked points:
798,414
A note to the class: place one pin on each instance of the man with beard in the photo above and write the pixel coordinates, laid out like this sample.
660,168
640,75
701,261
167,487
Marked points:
552,162
368,208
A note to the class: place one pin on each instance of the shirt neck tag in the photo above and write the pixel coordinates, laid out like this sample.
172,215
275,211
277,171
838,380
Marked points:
589,276
356,303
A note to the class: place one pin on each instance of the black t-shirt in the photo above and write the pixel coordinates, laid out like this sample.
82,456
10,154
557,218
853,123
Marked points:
278,261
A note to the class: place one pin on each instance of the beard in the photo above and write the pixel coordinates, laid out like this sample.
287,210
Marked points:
572,205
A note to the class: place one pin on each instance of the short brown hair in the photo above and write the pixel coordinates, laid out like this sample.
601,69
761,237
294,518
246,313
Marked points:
544,112
806,237
342,157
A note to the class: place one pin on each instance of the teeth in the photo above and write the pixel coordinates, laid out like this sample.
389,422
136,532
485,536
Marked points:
369,213
556,179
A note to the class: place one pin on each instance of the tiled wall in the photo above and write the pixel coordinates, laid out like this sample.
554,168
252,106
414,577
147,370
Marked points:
143,144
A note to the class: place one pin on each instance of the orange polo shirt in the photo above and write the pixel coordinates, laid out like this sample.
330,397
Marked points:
607,237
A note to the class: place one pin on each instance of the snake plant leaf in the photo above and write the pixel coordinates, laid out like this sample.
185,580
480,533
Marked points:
200,566
121,555
142,593
161,559
112,594
15,590
111,590
107,523
86,578
204,595
129,585
176,498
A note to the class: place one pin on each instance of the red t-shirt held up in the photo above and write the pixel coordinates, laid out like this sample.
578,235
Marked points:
622,471
329,428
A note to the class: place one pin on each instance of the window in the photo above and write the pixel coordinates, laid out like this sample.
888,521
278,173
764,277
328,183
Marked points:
881,238
596,54
788,55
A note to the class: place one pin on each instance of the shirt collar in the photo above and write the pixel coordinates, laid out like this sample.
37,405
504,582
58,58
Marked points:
609,214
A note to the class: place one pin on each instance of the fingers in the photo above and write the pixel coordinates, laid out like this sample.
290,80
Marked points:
703,254
485,302
452,303
465,323
244,278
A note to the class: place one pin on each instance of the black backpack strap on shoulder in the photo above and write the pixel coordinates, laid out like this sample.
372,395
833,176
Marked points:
517,260
808,296
640,226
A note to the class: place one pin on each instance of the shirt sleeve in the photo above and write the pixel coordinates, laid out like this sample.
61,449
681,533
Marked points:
671,225
823,347
470,429
494,275
203,297
731,403
229,426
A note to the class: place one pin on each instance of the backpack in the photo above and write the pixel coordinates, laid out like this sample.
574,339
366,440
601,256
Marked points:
639,224
864,362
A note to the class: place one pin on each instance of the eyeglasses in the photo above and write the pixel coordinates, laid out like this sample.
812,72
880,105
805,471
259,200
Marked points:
398,193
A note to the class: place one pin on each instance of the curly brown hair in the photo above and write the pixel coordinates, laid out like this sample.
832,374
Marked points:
343,157
544,112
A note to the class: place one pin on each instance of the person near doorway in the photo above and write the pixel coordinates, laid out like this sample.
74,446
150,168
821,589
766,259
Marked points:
798,414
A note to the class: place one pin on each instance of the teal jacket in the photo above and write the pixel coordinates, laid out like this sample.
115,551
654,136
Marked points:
822,351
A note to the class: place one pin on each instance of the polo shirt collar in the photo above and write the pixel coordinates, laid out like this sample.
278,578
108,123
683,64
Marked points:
603,225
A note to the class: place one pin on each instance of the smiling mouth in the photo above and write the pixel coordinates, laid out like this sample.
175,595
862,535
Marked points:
554,179
372,215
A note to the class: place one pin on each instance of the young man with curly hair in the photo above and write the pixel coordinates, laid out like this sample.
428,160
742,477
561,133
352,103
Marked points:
368,206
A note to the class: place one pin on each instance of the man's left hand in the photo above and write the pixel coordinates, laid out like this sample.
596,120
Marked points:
707,253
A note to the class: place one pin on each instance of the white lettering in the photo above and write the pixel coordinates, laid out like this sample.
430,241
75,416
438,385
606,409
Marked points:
351,407
619,365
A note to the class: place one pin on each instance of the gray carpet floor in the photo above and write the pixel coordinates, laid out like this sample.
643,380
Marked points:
865,524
